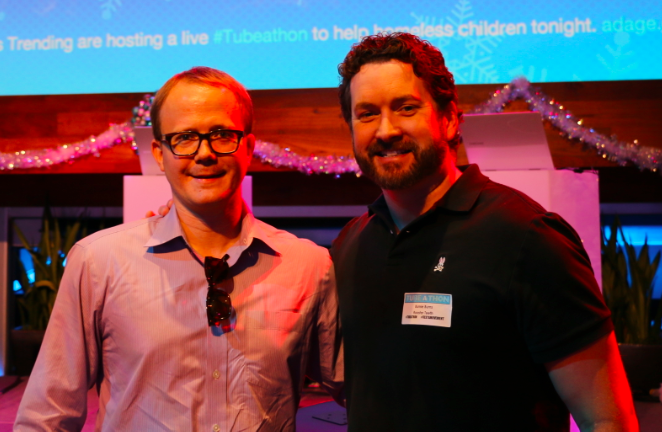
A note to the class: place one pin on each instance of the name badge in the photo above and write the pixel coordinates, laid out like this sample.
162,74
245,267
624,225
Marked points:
431,309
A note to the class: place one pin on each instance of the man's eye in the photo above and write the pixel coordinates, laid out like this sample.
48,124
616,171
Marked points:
408,109
222,134
184,137
365,115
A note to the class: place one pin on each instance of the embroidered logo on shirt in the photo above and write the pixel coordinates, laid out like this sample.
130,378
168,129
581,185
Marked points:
440,266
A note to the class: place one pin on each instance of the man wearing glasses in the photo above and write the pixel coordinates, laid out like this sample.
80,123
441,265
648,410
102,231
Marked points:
206,319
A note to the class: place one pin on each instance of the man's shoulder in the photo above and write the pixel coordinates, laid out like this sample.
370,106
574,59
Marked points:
507,197
284,241
503,209
139,230
350,233
504,204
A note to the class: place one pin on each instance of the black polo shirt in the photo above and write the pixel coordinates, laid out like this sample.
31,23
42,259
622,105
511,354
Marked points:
522,293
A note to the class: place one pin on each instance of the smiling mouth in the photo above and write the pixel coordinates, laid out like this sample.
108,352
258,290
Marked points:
391,153
208,176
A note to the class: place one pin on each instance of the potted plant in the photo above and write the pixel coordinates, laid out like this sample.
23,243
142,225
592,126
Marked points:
36,304
627,282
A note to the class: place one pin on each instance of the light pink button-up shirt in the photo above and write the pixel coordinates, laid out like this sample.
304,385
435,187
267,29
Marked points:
130,316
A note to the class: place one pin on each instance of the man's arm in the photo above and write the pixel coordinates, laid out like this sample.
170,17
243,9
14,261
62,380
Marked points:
326,361
68,361
593,385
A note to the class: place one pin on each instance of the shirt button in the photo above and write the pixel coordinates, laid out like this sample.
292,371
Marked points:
216,428
216,374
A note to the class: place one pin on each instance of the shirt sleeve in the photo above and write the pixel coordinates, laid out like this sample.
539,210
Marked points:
68,362
326,361
558,303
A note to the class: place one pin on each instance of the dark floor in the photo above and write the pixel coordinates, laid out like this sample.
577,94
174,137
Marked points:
649,413
12,388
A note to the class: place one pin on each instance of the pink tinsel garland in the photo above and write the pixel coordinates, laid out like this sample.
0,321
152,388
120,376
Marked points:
610,148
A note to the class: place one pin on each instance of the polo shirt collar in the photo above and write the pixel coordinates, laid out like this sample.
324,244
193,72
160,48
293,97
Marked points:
380,208
461,197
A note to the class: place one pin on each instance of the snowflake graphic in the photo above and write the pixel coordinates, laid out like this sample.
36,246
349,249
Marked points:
462,12
108,7
620,55
475,64
439,41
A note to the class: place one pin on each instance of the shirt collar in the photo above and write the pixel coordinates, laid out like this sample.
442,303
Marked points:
461,197
251,230
168,228
165,229
254,230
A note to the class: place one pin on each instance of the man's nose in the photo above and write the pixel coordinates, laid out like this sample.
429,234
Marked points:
387,130
205,151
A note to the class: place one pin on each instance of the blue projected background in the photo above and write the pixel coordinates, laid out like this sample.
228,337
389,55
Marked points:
108,46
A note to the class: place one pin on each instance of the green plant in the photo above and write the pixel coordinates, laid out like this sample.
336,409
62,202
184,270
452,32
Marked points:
36,305
627,283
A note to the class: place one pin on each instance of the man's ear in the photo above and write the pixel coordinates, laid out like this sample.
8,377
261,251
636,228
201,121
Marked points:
157,152
250,144
451,121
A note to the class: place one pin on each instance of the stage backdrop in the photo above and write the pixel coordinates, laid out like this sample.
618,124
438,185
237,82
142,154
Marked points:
119,46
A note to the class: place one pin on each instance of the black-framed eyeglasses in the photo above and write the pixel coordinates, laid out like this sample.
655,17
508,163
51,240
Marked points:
219,305
187,143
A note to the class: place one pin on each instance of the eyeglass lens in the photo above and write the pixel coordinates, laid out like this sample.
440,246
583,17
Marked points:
222,141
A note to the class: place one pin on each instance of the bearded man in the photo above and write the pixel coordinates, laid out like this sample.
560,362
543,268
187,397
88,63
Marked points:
465,306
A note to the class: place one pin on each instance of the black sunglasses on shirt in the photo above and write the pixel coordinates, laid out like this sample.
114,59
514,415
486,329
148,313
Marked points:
219,305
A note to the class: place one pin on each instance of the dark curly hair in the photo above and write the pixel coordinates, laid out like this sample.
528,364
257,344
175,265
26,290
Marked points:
427,61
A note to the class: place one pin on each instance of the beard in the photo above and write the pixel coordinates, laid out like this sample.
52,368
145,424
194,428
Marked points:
393,176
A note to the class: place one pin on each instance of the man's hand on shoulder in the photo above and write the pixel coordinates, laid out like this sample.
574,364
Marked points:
163,210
